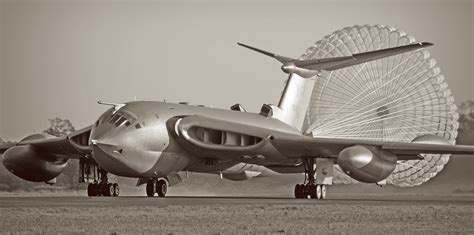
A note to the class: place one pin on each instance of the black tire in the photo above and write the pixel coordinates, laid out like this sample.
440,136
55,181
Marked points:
150,188
161,188
312,191
297,191
116,190
108,190
92,190
305,191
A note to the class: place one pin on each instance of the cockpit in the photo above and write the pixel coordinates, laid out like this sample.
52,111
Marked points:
118,119
121,118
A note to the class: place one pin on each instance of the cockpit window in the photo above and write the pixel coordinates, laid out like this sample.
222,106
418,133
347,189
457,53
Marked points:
118,119
138,126
114,118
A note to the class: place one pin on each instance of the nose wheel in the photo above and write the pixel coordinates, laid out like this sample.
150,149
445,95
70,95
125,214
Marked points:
103,187
159,187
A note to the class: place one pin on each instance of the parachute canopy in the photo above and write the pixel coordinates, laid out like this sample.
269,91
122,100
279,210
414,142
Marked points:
397,98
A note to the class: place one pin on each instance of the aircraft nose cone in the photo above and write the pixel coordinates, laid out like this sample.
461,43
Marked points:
120,152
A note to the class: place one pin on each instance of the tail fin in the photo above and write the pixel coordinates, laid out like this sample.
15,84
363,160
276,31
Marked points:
295,100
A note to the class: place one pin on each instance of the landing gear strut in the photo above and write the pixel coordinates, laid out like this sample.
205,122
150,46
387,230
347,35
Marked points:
103,187
315,187
154,186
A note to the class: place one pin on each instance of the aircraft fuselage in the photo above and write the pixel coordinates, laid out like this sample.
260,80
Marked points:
134,141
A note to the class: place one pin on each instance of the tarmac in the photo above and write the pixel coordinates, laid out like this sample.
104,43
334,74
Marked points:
360,214
128,201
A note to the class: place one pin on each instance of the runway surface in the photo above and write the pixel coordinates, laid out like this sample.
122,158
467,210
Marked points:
342,214
129,201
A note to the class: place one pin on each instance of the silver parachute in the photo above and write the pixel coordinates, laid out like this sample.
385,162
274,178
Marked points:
397,98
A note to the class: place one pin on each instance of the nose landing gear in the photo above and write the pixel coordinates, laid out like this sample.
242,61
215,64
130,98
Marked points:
103,189
315,187
98,180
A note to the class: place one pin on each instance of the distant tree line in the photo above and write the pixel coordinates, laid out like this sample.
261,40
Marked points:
466,123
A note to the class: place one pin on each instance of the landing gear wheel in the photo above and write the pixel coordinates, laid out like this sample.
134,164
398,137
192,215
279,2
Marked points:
116,189
92,190
303,191
298,191
318,191
323,192
312,190
161,188
150,188
108,190
101,186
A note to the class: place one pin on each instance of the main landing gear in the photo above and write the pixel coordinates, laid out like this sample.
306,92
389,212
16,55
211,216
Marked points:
103,187
317,191
315,187
156,186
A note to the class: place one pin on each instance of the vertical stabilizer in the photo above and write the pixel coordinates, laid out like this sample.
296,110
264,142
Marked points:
295,100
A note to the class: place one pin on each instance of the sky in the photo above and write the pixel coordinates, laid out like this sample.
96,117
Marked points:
58,58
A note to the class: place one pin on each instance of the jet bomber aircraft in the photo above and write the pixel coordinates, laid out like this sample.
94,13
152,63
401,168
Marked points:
154,141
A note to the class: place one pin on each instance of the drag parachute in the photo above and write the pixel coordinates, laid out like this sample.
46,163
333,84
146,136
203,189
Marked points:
397,98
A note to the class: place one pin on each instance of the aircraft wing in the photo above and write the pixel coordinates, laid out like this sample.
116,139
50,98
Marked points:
417,148
224,140
74,145
300,146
